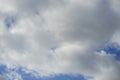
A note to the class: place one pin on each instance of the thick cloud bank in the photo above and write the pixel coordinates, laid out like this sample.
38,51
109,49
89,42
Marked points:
61,36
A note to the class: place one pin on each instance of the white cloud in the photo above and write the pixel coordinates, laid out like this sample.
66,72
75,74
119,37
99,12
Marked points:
13,75
62,38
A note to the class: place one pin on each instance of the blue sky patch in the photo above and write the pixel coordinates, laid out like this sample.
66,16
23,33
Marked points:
29,76
2,69
10,21
113,50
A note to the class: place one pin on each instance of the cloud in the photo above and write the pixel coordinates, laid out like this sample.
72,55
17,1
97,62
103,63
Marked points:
13,75
3,78
60,37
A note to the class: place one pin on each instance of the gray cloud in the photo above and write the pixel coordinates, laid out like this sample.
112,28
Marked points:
75,29
3,78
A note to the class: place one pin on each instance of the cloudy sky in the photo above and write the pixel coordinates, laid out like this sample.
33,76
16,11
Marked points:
59,40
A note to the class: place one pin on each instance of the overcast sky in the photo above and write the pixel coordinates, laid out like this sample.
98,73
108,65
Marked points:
59,39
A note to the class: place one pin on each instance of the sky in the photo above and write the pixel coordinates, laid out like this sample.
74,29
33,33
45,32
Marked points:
59,40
